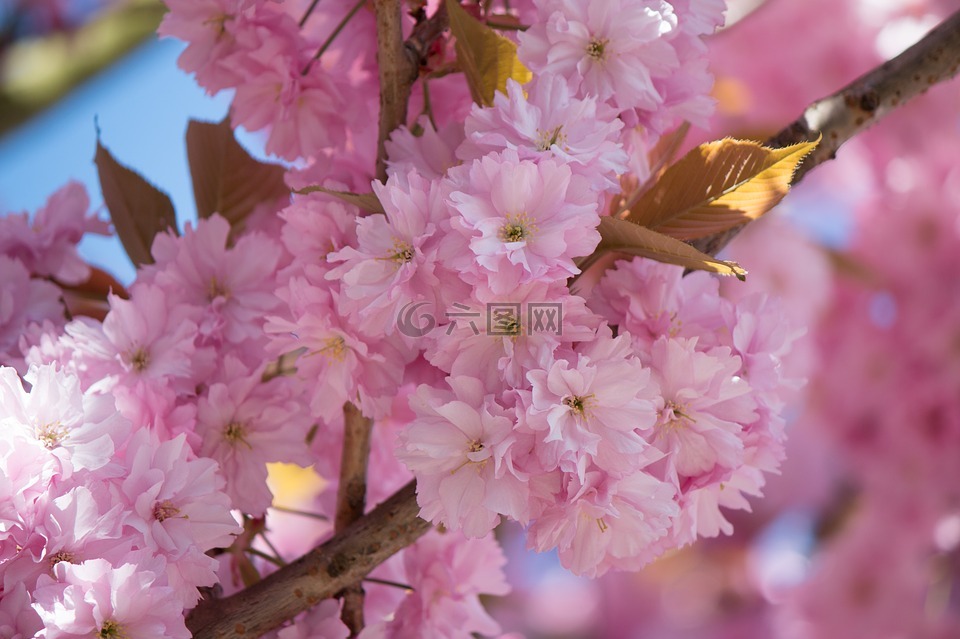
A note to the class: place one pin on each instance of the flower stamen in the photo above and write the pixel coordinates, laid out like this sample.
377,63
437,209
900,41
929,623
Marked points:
518,227
402,252
334,348
546,139
139,359
165,509
597,48
50,435
234,432
216,289
111,630
579,404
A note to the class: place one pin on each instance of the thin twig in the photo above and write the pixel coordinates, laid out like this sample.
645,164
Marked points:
863,102
320,574
387,582
276,561
306,14
352,499
273,549
302,513
333,36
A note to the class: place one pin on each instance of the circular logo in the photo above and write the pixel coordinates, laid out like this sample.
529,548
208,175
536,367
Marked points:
414,324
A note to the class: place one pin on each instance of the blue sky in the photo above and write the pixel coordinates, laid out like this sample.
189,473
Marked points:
142,105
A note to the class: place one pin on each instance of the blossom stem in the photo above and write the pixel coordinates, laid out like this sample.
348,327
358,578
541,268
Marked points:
276,561
333,36
387,582
302,513
270,545
427,106
313,5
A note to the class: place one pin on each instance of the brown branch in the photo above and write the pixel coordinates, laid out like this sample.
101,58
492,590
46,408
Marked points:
399,64
397,74
425,34
320,574
863,102
352,499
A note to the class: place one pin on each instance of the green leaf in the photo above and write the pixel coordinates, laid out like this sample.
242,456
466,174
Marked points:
138,209
486,57
365,201
226,179
717,186
621,236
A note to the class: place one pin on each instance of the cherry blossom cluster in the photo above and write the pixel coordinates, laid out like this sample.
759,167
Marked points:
615,423
859,535
38,256
615,414
105,526
287,77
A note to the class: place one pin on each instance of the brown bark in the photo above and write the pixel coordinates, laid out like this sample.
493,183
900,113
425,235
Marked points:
863,102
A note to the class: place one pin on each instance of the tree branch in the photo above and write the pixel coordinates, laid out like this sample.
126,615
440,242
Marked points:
863,102
352,499
399,64
397,74
320,574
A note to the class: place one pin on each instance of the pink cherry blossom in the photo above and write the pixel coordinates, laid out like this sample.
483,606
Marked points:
397,260
320,622
244,423
17,619
549,123
650,299
23,300
315,227
591,409
703,406
603,522
431,153
96,598
143,338
209,26
304,110
525,221
612,50
74,526
341,364
72,430
47,244
177,509
232,291
500,337
461,447
448,573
